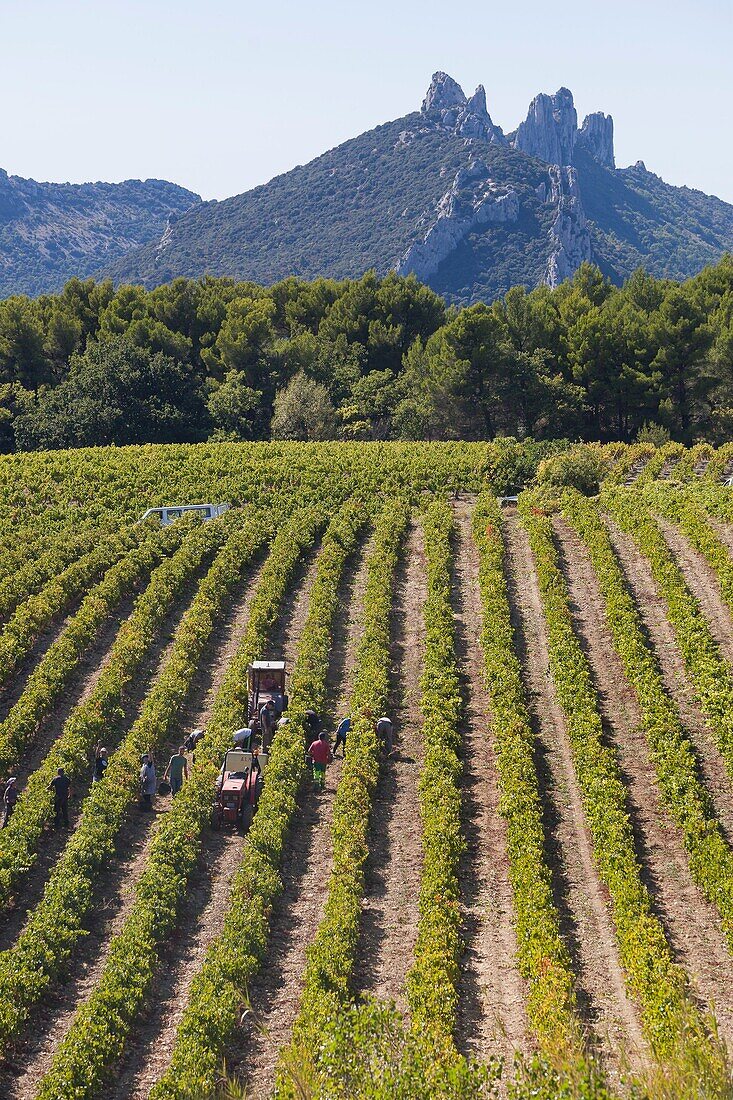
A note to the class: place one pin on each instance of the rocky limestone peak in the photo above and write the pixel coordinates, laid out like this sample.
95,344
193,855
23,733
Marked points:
474,120
550,129
596,137
477,102
443,94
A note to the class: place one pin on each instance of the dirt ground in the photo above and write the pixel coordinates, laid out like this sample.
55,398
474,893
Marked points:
392,885
582,899
692,925
276,991
491,1016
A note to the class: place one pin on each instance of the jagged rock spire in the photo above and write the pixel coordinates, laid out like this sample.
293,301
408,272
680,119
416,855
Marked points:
549,132
477,102
596,137
474,121
443,94
446,106
550,129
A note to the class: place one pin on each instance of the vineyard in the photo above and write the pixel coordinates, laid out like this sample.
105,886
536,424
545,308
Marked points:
531,896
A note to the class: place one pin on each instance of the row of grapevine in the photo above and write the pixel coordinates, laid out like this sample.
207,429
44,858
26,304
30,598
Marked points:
720,464
101,1026
542,956
332,955
57,923
709,672
51,675
432,982
672,752
672,1024
218,991
40,610
717,500
31,572
633,459
690,515
663,456
97,716
694,462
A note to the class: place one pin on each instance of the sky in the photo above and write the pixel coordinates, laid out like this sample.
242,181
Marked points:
220,95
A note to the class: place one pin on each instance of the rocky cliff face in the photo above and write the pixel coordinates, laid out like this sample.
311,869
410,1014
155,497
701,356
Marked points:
596,137
550,133
570,243
550,129
473,201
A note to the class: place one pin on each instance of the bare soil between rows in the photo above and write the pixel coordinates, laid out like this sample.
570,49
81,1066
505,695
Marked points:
692,925
491,1011
116,889
394,866
611,1018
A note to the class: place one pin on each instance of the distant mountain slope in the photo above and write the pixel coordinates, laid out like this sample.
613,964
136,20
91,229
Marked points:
359,206
636,218
444,193
51,231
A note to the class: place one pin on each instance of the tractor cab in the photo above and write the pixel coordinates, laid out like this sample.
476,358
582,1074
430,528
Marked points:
265,681
238,788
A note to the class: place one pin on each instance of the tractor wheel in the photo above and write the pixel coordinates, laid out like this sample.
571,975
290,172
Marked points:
216,819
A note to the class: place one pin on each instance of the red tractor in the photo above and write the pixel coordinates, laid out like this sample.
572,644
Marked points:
238,788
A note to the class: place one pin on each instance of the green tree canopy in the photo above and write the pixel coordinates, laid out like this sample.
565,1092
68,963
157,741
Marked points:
116,392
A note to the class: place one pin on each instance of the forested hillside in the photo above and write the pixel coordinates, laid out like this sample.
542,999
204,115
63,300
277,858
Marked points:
367,359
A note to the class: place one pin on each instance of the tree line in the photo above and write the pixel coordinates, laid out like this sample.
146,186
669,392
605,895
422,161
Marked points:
370,358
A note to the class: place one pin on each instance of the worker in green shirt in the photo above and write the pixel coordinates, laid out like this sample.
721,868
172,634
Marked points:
177,770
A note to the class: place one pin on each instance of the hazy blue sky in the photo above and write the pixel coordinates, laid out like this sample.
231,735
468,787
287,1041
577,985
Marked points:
221,95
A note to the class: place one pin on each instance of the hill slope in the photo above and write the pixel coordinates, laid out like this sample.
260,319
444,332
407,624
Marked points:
51,231
444,193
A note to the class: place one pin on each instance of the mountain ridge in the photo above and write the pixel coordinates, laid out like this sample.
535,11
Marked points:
444,193
50,232
441,192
